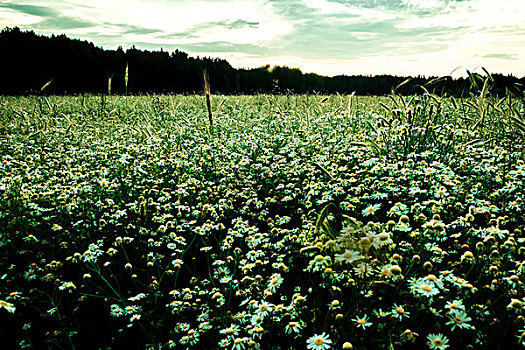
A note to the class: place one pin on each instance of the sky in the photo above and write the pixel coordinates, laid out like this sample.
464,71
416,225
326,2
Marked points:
328,37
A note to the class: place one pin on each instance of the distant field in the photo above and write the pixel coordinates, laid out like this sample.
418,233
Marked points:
296,221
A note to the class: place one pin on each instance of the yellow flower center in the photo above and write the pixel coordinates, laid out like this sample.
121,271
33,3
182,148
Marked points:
400,310
347,255
431,278
438,342
361,321
458,320
318,341
426,288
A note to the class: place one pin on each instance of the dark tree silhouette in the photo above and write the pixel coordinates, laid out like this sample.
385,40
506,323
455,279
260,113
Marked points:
29,61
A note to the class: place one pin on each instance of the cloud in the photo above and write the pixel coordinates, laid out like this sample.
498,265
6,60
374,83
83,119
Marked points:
341,30
133,29
41,11
337,36
50,19
501,56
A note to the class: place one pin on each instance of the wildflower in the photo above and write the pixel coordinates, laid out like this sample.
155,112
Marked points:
380,313
14,295
363,270
293,327
116,311
137,297
438,341
205,325
8,306
232,330
318,342
516,305
399,312
275,282
132,309
459,319
134,318
410,336
362,321
371,209
403,227
223,343
349,256
30,275
395,270
67,285
225,279
335,304
425,288
455,304
238,343
263,308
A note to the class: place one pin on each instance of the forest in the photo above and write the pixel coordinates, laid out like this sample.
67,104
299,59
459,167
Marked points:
34,64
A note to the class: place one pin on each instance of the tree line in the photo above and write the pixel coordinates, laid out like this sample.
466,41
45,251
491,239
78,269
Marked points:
31,64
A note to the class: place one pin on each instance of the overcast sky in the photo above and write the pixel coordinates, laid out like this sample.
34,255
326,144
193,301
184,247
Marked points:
330,37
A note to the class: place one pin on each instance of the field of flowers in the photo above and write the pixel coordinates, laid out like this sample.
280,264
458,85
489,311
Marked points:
297,222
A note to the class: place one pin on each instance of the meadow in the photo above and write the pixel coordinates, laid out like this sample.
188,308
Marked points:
294,222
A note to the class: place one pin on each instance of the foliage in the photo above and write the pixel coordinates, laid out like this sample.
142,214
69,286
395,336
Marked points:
301,221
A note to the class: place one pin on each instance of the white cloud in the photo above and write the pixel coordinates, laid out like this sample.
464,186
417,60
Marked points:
474,14
168,17
397,37
10,17
355,13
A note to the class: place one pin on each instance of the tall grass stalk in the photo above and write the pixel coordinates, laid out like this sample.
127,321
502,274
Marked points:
207,93
110,78
126,75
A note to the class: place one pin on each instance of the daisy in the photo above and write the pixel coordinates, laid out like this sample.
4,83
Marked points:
293,327
363,270
425,288
349,256
116,311
362,321
459,319
238,343
8,306
275,282
455,304
230,331
438,341
318,342
371,209
134,318
399,312
263,309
